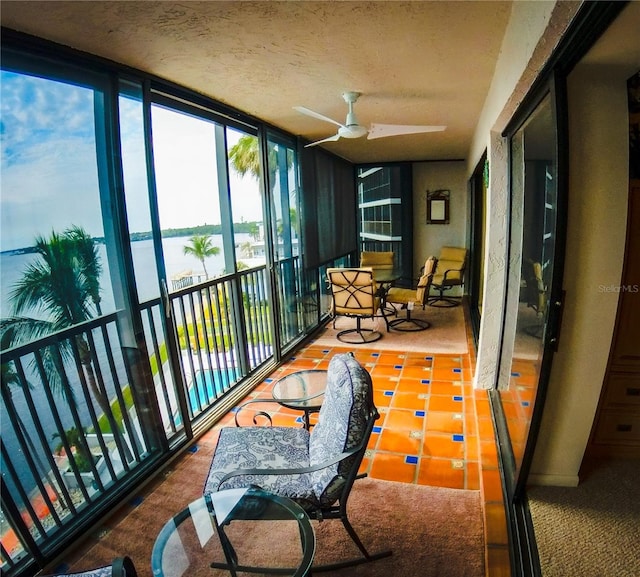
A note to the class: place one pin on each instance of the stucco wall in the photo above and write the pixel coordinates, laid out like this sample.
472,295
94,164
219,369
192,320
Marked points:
598,193
430,238
534,30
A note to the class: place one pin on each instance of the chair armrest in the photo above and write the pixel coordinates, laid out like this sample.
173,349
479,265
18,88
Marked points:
266,415
446,272
257,413
295,471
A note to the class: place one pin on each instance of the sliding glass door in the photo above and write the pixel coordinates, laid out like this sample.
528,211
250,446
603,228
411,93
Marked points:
532,308
285,238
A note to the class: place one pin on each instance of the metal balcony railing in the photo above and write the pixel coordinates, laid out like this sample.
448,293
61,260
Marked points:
85,410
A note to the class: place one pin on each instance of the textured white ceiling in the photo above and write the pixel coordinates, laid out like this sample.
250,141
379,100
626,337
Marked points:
413,62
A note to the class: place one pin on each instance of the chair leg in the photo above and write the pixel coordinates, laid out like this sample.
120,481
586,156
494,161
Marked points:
444,301
408,323
366,556
364,335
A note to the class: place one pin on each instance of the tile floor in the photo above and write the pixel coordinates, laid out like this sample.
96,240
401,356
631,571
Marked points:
434,428
427,431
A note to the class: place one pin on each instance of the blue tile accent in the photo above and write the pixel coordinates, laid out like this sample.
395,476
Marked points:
268,380
388,393
525,403
457,370
428,358
136,501
235,409
459,438
425,381
457,398
411,460
399,367
375,354
419,413
193,449
376,430
325,351
515,374
299,420
62,569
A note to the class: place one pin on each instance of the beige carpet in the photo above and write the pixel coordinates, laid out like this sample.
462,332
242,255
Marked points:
432,531
592,530
447,333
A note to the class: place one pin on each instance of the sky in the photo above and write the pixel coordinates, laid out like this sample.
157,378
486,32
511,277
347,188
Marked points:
49,173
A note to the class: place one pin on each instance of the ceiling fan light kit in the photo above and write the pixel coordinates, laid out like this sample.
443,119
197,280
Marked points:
353,129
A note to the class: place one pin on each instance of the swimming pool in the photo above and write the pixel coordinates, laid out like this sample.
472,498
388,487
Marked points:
208,385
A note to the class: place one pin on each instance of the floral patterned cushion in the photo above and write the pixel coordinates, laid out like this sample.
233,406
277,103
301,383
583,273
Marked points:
341,423
262,448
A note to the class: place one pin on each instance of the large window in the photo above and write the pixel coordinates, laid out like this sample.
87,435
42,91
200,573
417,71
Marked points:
67,324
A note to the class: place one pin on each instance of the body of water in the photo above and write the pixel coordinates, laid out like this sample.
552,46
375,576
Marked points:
176,262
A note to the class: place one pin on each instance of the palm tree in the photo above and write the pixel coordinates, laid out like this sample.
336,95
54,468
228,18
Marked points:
63,283
245,156
201,247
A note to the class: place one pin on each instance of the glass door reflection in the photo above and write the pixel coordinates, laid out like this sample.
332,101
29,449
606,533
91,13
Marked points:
531,267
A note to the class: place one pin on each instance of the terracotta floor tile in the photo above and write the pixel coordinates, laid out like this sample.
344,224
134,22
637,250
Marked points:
491,485
313,353
440,473
392,467
472,480
489,454
405,442
380,399
390,359
485,428
404,400
472,447
446,403
386,370
496,529
442,445
445,422
418,359
416,372
384,383
413,386
446,388
446,374
447,362
403,420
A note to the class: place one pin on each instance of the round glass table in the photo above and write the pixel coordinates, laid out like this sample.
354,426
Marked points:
301,391
235,531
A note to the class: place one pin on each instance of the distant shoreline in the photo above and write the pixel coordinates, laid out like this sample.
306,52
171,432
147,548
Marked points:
209,229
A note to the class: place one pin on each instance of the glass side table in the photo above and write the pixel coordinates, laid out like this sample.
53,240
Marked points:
301,391
257,532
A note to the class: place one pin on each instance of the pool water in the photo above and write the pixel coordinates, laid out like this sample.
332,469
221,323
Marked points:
209,385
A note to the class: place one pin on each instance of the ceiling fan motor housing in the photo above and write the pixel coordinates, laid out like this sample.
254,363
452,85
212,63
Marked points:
352,130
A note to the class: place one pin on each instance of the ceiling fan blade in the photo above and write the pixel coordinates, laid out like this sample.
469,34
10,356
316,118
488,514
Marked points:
317,115
384,130
330,139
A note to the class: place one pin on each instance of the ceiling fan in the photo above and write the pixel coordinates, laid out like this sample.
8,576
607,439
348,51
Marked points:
352,129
